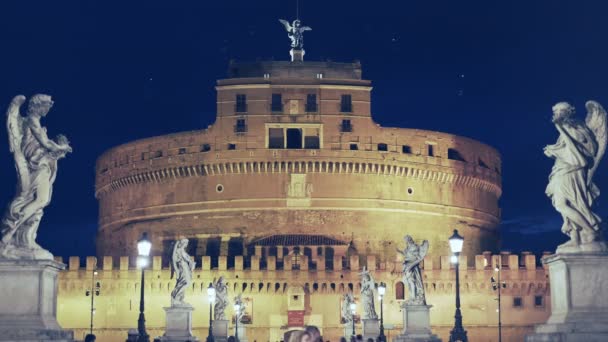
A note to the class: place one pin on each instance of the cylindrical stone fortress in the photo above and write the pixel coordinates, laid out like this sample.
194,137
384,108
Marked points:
294,151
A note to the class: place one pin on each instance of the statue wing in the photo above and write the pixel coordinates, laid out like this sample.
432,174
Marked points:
424,248
305,28
14,125
286,24
597,122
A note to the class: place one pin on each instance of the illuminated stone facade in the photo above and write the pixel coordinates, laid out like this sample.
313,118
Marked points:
288,195
269,287
294,150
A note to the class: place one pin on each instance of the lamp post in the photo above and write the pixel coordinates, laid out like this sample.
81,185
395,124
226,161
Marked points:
458,333
353,309
94,291
237,310
143,248
496,286
381,292
211,297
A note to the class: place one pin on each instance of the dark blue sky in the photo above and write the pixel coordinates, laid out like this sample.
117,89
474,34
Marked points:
489,70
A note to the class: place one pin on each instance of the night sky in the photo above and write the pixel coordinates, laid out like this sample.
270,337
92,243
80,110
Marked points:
489,70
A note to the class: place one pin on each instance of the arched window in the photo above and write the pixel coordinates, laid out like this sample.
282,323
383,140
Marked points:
399,291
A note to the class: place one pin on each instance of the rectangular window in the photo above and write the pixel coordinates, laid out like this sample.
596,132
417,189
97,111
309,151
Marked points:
240,126
158,154
354,147
311,138
382,147
346,104
346,126
277,103
517,302
182,150
311,102
231,146
275,138
205,148
455,155
406,149
241,103
538,301
430,150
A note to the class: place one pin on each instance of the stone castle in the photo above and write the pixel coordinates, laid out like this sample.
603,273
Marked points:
288,195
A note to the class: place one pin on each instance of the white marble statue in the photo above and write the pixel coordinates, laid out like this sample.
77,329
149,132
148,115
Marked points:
347,313
577,153
242,307
36,162
368,287
413,255
221,299
296,33
182,266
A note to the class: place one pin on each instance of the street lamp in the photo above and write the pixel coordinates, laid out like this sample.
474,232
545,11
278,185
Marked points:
94,291
237,310
458,333
211,297
381,292
143,249
497,285
353,310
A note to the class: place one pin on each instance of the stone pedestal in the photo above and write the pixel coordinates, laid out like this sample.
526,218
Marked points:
28,301
242,332
297,55
371,329
179,325
579,299
348,331
416,324
220,330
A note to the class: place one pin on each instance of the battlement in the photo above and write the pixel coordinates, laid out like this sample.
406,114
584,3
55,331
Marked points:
486,261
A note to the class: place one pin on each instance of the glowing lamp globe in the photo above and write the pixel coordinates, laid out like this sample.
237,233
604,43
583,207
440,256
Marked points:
144,245
456,242
211,293
353,307
381,289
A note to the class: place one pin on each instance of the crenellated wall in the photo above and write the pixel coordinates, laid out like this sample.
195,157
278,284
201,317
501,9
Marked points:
266,283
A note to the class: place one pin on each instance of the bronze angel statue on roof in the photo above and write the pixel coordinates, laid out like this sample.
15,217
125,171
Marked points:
577,153
296,33
36,159
413,255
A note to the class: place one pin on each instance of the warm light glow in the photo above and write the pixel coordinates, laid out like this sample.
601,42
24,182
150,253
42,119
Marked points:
95,273
144,245
142,261
353,308
456,242
496,269
454,259
211,293
381,289
237,308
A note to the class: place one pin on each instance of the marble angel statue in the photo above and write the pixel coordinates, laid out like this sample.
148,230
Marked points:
296,32
36,159
368,286
182,266
413,255
577,153
221,299
346,312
